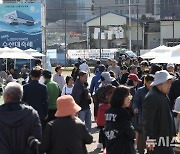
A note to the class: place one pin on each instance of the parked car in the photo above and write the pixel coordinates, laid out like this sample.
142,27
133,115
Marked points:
127,53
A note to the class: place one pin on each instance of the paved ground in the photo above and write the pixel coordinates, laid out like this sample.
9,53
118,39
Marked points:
92,148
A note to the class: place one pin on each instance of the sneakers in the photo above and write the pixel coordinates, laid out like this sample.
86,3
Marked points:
99,146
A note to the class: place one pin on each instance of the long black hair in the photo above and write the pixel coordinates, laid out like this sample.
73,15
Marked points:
118,97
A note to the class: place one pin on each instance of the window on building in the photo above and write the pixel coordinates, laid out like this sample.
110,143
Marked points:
132,1
132,11
121,1
116,1
137,1
127,11
127,1
116,11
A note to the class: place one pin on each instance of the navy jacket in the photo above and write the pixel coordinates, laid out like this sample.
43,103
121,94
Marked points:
35,94
138,100
80,95
18,122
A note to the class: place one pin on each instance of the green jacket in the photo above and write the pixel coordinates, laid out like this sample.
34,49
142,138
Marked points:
53,92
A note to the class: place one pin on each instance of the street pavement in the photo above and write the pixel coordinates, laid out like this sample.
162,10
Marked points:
92,148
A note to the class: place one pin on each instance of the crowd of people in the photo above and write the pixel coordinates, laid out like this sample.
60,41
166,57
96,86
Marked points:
136,109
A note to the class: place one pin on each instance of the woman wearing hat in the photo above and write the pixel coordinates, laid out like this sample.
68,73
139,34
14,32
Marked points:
66,134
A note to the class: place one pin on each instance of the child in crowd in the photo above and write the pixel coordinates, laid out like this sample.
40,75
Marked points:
67,89
103,106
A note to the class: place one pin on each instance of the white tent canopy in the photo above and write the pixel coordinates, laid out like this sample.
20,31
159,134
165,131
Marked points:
34,53
161,48
169,57
14,53
156,52
163,54
151,55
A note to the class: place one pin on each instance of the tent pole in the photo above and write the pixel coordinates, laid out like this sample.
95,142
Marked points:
6,64
30,64
14,63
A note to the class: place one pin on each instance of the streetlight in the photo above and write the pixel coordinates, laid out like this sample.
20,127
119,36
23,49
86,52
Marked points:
173,14
130,25
100,24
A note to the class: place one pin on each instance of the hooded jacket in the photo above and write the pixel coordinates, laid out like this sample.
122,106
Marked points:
17,122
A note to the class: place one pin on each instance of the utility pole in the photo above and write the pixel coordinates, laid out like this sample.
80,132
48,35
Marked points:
100,32
130,25
65,39
44,32
173,22
138,30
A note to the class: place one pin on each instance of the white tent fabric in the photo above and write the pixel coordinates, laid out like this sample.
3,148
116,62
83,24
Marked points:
151,55
5,49
156,52
163,54
169,57
34,53
174,60
161,48
14,53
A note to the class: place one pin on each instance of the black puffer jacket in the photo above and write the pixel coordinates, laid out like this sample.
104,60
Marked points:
119,132
17,123
65,136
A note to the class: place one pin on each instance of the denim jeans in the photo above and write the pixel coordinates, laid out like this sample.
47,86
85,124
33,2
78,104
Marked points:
85,116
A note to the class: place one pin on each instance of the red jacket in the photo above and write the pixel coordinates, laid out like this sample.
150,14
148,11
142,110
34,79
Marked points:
101,114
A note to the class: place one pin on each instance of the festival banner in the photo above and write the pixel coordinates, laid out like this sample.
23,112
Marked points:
20,26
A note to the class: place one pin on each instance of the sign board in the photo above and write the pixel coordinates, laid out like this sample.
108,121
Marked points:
51,53
91,53
20,25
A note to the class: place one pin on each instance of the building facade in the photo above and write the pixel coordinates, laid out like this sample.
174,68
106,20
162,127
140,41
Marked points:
169,9
22,1
121,6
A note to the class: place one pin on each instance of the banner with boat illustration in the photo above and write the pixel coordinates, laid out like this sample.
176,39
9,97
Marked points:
20,25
